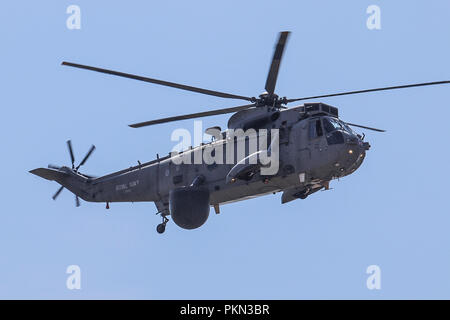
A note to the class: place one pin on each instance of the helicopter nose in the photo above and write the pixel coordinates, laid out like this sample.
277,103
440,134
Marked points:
366,146
355,150
351,155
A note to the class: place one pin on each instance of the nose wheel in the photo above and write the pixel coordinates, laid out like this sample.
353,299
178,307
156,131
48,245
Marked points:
160,228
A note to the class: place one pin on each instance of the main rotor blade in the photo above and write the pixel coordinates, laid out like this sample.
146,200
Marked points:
276,61
57,193
364,127
72,158
86,157
160,82
372,90
192,116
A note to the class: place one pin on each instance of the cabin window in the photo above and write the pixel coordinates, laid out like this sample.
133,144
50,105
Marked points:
315,129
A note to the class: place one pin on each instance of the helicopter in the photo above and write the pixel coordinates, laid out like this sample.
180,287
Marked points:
303,148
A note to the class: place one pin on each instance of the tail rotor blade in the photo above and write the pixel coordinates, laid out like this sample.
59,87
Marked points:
57,193
72,158
86,157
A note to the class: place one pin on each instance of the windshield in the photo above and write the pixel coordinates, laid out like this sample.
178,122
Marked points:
333,124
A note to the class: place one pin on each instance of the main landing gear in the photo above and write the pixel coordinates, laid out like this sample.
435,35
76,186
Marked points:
160,228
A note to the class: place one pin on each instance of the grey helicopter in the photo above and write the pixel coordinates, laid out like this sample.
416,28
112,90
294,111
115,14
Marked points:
314,146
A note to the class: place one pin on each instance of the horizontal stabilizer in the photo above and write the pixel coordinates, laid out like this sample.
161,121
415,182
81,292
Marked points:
49,174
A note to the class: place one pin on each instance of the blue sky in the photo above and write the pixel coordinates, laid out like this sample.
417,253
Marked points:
393,212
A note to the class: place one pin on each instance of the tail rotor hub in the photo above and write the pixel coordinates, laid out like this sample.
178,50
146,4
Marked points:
74,169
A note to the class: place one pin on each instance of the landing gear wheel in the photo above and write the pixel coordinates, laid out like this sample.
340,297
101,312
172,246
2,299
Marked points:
160,228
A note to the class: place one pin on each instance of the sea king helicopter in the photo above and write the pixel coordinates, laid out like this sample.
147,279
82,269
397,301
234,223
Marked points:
313,147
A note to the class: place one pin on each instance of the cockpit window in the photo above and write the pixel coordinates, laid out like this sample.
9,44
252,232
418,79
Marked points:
315,129
328,125
336,137
347,128
332,124
334,129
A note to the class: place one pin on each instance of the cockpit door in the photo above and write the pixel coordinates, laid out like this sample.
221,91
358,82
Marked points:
317,142
315,132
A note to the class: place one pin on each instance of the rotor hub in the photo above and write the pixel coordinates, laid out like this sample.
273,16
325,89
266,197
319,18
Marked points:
265,99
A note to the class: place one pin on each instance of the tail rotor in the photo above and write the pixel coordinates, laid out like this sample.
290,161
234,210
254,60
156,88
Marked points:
72,157
57,193
74,169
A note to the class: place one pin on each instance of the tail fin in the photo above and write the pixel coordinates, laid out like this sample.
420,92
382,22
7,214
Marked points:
49,174
73,181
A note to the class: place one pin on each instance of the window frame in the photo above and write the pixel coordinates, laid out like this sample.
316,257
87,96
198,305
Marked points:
315,128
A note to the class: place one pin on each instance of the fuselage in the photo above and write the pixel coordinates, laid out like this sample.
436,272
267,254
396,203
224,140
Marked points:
313,149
